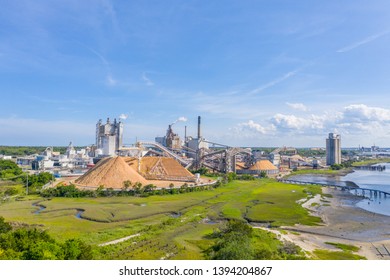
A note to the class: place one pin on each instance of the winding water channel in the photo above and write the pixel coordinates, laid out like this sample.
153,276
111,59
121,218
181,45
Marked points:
368,179
78,214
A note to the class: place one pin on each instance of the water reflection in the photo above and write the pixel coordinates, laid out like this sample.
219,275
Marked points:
367,179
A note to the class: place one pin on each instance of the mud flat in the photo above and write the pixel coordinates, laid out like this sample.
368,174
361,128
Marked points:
344,222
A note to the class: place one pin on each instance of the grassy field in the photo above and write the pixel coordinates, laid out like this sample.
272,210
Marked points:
170,226
340,172
15,186
371,161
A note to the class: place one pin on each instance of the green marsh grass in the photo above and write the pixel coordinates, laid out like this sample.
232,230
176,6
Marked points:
161,234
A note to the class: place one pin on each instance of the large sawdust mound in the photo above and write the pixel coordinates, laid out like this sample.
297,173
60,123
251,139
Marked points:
263,165
159,167
111,173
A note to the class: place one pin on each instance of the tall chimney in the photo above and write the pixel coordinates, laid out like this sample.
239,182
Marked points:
199,134
185,133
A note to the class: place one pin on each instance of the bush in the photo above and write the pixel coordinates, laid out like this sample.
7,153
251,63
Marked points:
9,169
34,244
11,191
4,226
336,166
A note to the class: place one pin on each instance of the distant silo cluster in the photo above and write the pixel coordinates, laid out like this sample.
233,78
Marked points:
109,137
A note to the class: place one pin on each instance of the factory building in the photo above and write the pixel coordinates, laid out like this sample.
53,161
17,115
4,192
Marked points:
109,137
333,149
275,159
192,145
198,143
70,151
170,140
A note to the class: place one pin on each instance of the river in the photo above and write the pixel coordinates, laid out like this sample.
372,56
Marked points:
376,180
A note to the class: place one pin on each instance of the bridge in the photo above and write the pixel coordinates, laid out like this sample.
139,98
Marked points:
371,167
357,190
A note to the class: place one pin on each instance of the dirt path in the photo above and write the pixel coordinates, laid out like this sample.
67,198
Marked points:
119,240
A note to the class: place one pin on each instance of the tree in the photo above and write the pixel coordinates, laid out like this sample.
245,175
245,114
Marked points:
336,166
38,180
9,169
234,242
75,249
34,244
263,174
231,176
126,184
4,226
100,190
137,187
149,188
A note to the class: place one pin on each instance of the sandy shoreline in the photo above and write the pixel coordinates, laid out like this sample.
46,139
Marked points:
343,223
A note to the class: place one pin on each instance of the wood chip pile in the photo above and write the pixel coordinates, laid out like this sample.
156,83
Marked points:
111,173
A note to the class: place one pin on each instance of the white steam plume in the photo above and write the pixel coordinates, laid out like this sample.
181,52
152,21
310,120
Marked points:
123,116
181,119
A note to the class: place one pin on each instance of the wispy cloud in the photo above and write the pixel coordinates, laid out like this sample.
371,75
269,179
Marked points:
110,11
111,81
297,106
147,81
363,42
98,54
275,82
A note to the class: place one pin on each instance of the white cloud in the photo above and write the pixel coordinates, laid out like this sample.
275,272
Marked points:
251,125
357,122
111,81
363,113
360,119
147,81
275,82
298,124
297,106
249,130
363,42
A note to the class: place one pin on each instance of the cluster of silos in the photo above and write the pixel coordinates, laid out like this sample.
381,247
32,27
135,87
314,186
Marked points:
109,137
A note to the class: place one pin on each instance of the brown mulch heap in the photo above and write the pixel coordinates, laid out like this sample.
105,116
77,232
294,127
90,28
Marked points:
159,166
111,173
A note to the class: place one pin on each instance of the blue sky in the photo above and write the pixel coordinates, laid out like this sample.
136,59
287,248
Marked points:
260,73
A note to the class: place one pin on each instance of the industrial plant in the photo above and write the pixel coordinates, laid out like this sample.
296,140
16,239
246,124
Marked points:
166,161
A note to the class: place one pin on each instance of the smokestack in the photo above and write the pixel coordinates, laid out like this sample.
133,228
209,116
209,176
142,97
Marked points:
185,133
199,134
